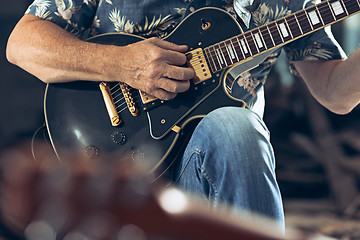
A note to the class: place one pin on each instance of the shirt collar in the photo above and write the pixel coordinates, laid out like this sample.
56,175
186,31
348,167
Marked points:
242,12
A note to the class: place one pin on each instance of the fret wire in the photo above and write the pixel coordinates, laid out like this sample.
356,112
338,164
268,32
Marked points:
312,16
282,39
321,18
247,44
272,39
268,33
347,8
254,42
297,21
262,37
226,51
217,58
326,13
352,7
237,39
294,26
232,52
343,5
338,15
210,56
222,54
293,22
358,3
244,46
287,24
303,21
268,40
234,49
249,40
332,11
324,6
237,48
306,14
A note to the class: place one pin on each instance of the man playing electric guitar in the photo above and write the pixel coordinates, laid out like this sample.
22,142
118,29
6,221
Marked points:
228,159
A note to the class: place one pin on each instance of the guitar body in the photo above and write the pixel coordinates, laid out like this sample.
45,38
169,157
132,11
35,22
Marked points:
77,119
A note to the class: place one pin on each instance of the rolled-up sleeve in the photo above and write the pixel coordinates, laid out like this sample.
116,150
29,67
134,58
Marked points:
76,16
319,45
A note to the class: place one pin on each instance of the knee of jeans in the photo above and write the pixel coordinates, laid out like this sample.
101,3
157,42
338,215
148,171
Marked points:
240,135
233,122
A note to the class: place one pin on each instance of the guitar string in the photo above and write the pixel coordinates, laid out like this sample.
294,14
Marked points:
270,28
120,100
135,98
273,28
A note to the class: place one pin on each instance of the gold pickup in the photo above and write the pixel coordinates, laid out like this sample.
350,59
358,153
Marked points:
197,61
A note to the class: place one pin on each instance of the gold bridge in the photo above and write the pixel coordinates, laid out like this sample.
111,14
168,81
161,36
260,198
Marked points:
197,61
129,99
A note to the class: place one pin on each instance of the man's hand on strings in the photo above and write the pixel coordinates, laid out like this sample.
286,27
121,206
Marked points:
156,67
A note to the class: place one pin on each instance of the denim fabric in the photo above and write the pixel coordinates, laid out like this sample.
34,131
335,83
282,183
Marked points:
230,160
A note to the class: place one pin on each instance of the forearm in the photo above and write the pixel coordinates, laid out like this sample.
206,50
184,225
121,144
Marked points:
344,82
52,54
334,83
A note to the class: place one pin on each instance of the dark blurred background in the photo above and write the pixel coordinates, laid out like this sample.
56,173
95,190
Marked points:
21,94
318,153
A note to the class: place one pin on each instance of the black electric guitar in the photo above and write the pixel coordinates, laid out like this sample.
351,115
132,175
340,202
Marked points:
114,118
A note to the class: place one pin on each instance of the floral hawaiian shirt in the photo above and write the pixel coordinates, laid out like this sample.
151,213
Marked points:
148,18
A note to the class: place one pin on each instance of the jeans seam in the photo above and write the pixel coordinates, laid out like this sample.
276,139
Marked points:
212,184
195,151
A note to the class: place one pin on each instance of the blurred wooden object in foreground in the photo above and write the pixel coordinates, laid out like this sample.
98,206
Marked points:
109,198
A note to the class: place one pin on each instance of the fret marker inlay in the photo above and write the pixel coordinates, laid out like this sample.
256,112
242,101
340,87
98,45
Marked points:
338,9
283,30
230,50
258,40
244,46
218,55
314,18
278,32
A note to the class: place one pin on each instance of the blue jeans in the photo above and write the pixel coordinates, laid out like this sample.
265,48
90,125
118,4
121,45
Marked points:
230,161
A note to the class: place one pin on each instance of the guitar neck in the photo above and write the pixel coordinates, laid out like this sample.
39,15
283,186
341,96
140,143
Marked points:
279,32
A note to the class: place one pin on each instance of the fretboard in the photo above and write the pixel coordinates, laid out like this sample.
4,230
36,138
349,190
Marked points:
278,33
